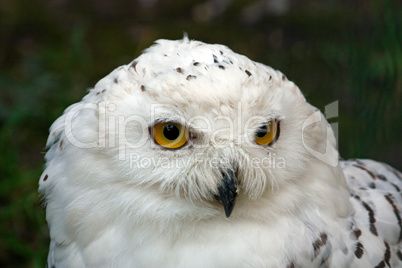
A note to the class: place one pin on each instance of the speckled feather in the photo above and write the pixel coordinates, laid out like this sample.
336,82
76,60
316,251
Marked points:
106,208
375,190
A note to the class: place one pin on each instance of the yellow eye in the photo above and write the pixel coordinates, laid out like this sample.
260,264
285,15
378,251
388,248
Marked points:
267,133
170,135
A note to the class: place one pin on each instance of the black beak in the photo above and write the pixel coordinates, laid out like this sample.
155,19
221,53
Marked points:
227,191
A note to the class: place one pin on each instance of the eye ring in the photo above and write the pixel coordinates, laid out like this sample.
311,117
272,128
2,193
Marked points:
170,135
267,133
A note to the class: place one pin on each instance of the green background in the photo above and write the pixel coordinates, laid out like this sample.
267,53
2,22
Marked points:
51,52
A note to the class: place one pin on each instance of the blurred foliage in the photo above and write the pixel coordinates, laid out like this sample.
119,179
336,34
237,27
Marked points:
51,51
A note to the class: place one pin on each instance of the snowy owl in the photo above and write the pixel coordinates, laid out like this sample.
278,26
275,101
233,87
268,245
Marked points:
195,156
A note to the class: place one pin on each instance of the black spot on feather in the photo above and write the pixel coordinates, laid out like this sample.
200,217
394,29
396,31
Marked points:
189,77
399,254
318,243
248,73
179,70
372,220
387,254
359,250
215,58
45,178
290,265
396,187
134,65
381,177
395,209
356,196
357,233
372,175
381,265
196,63
142,88
221,67
116,81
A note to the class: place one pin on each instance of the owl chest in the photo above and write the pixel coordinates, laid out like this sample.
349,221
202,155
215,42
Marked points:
229,246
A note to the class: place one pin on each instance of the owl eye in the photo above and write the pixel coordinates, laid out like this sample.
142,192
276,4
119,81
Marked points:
170,135
268,133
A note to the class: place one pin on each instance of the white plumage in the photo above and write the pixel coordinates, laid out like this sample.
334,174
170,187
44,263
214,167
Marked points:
115,198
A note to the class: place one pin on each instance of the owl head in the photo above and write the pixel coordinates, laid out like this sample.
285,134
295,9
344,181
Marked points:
187,131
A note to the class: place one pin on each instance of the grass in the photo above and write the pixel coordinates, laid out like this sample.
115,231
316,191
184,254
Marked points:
51,52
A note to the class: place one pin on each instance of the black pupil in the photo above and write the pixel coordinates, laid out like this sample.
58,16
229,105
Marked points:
262,131
171,132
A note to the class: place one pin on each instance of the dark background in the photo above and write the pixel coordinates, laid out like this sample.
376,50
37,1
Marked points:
52,51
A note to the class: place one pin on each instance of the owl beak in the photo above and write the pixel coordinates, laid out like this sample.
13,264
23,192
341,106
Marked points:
227,191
